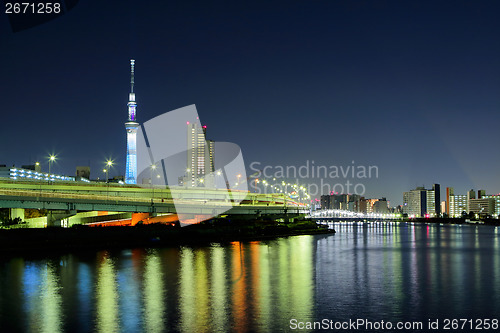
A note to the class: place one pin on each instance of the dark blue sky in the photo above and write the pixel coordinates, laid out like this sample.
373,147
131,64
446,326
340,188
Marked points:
412,87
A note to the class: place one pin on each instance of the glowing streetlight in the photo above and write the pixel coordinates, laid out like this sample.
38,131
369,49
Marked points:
109,164
38,171
52,158
153,167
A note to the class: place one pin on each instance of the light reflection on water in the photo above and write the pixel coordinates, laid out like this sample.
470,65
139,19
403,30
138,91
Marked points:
42,299
154,294
107,295
390,272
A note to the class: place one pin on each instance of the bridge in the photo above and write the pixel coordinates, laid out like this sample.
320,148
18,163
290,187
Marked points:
333,215
97,203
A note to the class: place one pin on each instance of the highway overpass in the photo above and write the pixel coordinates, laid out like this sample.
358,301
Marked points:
81,202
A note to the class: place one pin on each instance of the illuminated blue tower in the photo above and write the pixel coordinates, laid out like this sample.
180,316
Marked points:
131,126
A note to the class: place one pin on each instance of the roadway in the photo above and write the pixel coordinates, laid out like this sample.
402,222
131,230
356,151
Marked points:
125,198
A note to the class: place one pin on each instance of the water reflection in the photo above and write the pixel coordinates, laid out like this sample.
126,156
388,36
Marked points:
387,271
42,297
154,294
84,296
410,271
230,287
129,282
107,295
187,297
219,292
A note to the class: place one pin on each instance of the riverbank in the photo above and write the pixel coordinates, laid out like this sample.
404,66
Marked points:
448,220
153,235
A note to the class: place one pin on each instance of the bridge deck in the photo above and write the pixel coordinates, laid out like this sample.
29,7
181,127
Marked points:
85,197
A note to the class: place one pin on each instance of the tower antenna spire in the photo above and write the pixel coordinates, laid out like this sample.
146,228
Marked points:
131,96
132,63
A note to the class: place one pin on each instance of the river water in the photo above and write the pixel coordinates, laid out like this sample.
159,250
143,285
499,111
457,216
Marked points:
369,273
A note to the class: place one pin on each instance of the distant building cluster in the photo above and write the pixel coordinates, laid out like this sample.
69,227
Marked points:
422,202
34,173
355,203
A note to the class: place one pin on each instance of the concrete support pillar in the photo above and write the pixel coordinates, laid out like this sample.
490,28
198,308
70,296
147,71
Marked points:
17,212
59,218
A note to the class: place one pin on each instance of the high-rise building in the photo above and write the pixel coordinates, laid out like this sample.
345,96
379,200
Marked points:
415,202
496,199
457,204
421,202
437,198
131,126
449,193
200,157
325,201
36,167
341,201
470,195
381,206
83,172
484,207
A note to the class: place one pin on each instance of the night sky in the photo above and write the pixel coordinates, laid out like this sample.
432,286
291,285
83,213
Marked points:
412,87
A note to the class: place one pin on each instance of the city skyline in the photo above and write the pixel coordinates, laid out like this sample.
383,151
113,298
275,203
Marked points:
410,88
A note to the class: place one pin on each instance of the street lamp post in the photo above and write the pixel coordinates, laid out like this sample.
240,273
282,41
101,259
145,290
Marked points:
39,173
107,185
218,174
52,158
109,164
153,167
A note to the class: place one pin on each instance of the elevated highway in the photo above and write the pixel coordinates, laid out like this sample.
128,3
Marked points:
71,198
